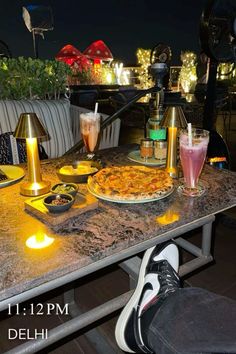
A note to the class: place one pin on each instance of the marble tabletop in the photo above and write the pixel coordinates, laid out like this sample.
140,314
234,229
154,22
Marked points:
103,232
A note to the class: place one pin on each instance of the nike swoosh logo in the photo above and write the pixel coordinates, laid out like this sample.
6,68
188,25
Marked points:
150,290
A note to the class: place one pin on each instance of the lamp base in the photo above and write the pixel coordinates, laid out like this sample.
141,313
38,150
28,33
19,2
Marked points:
33,189
172,171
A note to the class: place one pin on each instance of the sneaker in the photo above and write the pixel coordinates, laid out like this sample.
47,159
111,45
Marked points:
157,279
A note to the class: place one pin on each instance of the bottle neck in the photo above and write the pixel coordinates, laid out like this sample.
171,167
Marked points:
156,106
156,115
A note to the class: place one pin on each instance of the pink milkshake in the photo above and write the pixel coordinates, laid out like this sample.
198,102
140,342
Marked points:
192,156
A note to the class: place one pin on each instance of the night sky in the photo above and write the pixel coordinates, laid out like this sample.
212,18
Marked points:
124,25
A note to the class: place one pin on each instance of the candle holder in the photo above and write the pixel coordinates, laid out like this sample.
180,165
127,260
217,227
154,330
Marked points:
173,119
30,128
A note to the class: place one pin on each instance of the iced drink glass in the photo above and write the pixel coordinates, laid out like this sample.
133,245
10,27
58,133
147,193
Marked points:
90,130
193,150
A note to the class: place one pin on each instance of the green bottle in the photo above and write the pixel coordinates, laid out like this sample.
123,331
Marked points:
154,130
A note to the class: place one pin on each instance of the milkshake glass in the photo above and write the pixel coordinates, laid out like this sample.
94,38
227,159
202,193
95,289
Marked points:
90,130
193,150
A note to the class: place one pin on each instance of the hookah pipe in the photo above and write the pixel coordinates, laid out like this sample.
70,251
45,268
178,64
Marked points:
158,71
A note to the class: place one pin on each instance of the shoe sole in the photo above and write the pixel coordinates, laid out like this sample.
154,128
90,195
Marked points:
132,303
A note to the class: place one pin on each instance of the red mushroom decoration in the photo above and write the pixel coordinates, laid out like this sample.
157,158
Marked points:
69,54
98,51
81,63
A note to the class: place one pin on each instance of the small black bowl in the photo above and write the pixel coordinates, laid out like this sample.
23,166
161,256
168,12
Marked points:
54,208
63,188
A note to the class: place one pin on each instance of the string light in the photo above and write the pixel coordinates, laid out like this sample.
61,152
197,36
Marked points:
226,71
118,72
143,58
188,74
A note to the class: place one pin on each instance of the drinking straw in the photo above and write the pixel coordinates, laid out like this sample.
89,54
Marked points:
190,137
96,108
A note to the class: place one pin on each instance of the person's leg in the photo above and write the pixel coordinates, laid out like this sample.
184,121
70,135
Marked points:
194,320
163,258
163,318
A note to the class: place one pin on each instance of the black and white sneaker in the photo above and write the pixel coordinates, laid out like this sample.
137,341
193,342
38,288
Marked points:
157,279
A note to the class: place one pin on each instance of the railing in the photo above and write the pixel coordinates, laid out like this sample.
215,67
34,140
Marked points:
114,116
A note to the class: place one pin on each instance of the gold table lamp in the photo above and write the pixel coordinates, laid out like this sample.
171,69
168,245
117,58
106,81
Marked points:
173,119
30,128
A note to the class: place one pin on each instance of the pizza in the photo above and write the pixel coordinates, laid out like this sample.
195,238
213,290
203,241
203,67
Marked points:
131,183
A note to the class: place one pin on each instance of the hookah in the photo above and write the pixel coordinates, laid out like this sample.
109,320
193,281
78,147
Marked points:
158,71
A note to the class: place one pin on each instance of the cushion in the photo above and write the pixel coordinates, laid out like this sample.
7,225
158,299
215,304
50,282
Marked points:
13,151
54,115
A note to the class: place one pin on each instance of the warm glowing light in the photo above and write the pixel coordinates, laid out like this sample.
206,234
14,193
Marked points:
107,75
168,217
118,72
217,159
225,71
171,167
109,78
35,185
143,56
32,142
38,241
97,61
126,75
189,97
188,76
193,77
122,76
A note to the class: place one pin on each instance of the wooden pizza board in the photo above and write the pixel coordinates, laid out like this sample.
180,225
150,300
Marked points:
83,203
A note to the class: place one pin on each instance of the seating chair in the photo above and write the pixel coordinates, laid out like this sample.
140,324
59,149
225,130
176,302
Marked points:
61,120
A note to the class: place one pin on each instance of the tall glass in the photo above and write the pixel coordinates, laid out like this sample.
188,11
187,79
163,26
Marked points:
193,150
90,130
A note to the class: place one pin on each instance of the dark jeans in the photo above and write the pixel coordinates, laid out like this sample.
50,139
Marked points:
193,320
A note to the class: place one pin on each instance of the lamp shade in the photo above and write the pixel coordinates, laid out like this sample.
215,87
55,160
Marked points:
29,126
174,117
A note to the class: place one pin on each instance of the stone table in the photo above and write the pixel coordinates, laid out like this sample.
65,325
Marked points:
98,235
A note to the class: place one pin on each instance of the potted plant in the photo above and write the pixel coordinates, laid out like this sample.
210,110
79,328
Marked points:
35,85
27,78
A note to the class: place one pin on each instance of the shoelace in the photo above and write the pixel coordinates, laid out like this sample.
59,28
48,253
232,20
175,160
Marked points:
168,278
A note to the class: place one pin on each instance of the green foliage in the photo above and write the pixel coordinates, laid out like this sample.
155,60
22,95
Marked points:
85,76
27,78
